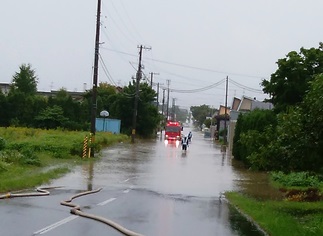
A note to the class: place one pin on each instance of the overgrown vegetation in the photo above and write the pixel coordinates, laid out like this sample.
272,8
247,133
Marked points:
281,218
290,138
24,107
296,179
26,153
287,141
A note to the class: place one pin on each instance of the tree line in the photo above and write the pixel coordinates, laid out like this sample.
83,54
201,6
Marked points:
23,106
289,137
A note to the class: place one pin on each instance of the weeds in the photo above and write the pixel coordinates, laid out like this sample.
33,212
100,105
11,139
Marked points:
24,153
296,179
281,218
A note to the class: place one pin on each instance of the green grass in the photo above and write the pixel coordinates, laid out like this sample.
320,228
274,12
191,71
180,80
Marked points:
21,178
281,218
32,157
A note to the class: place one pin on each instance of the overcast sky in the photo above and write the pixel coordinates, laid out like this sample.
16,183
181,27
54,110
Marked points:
194,44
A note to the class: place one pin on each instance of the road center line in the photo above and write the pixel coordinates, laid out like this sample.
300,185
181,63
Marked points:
106,202
53,226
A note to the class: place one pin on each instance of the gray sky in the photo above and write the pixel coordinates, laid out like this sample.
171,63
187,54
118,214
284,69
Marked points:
195,44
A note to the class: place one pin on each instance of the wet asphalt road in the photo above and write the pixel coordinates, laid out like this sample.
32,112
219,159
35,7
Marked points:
151,188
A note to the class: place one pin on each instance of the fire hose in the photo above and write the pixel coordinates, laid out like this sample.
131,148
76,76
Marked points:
76,209
40,192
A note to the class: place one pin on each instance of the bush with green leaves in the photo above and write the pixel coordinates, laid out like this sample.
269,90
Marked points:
3,166
2,143
296,179
249,132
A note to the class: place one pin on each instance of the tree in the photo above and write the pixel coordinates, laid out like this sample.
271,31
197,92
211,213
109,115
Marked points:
4,121
201,112
247,136
25,81
122,107
288,85
51,118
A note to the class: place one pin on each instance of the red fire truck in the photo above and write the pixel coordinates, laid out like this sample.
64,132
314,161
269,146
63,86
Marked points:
173,130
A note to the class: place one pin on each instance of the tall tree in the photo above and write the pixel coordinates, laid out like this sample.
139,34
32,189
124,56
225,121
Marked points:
25,81
288,85
201,112
122,107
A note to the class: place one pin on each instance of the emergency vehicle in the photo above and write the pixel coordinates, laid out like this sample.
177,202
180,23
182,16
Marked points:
173,130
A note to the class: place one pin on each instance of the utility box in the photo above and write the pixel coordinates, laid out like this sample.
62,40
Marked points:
108,125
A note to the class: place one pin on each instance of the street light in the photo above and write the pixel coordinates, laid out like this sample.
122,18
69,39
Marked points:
104,114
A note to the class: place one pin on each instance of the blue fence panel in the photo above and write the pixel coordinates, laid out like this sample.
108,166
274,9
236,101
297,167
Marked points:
108,125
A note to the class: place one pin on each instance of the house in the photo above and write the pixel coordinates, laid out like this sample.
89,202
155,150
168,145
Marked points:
5,87
243,105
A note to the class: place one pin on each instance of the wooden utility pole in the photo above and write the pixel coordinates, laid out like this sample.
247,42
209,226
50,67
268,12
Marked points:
157,102
138,78
168,82
225,113
95,74
151,78
163,102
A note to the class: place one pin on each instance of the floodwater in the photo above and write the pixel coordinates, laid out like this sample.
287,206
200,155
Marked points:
204,171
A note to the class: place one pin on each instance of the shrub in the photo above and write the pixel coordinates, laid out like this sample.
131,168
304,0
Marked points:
296,179
3,166
29,158
2,143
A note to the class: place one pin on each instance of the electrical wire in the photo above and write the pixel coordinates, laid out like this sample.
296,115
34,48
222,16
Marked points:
245,87
196,90
106,71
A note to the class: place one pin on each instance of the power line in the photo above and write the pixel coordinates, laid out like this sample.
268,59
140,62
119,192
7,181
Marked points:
106,71
188,66
199,89
245,87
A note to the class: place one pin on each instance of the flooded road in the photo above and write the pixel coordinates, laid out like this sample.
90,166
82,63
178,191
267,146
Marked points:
151,187
188,184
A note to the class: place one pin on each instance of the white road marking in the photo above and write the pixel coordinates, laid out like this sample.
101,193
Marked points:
53,226
130,179
106,202
126,191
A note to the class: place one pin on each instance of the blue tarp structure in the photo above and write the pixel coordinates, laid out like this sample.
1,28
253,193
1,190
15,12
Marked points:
108,125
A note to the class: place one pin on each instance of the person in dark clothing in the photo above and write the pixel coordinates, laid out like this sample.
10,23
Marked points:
189,136
184,143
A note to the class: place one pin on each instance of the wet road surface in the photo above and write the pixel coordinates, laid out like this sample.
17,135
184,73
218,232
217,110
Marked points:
151,188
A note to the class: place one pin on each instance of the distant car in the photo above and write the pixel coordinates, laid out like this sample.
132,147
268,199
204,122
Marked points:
207,133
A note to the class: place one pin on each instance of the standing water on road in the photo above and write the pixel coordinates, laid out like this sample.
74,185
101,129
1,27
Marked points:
197,177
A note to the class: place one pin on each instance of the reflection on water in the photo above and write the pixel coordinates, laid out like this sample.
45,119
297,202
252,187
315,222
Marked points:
254,183
204,171
88,172
240,225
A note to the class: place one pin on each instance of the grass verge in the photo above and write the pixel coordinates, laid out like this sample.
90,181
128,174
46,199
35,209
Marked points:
32,157
23,178
281,218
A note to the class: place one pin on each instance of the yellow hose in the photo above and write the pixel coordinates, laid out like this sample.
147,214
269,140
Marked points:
40,192
76,211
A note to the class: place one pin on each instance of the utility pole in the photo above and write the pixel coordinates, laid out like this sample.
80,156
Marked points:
151,78
173,110
163,102
95,74
157,102
168,82
225,113
138,78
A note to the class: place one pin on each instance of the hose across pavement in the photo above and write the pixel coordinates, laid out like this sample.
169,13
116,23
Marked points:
40,192
76,210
